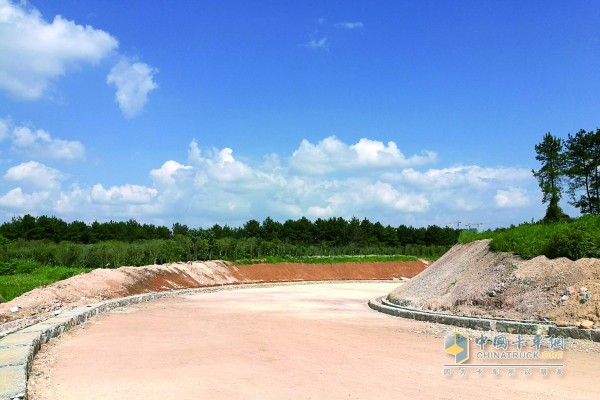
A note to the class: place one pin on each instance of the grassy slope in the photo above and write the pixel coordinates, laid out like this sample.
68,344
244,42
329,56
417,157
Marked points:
15,284
573,239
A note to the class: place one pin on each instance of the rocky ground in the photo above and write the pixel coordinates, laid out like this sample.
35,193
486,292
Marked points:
470,279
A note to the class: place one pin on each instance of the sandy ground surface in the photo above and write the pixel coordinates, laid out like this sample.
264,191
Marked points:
316,341
473,280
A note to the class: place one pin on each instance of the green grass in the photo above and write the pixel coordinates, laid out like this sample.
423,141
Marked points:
32,275
574,239
324,259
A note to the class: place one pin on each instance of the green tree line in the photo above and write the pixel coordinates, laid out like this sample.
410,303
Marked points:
53,242
331,232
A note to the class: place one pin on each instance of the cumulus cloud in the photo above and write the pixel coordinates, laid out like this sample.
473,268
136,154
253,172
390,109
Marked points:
22,202
40,144
34,51
35,174
219,165
465,176
511,198
349,25
362,196
134,81
331,155
215,186
131,194
168,173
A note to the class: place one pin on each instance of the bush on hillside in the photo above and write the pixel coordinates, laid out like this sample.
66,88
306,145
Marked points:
574,239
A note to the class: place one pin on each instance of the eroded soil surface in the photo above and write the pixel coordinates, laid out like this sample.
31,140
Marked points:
470,279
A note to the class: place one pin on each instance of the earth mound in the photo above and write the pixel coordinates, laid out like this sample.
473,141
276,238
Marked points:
103,284
470,279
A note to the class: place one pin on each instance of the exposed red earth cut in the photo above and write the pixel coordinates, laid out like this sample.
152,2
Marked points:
102,284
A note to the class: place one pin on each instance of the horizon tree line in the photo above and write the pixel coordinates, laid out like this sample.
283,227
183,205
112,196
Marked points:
334,231
51,241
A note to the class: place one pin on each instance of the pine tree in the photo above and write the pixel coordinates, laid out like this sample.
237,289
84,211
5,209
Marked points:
583,164
550,176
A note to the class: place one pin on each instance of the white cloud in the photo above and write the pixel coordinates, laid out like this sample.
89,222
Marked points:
35,174
40,144
220,166
215,186
511,198
349,25
465,176
22,202
317,43
352,196
34,51
331,155
134,81
74,203
167,174
130,194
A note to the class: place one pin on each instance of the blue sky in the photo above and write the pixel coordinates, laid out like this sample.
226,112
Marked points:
405,112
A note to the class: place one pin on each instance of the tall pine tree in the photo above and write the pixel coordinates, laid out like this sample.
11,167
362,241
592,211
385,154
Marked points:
583,165
550,176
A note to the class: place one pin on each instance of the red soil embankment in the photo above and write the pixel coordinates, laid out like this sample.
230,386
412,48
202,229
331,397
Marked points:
102,284
327,272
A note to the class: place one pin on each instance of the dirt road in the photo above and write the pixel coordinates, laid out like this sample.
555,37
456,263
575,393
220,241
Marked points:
295,342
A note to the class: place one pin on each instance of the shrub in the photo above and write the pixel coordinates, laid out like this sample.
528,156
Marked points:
573,239
571,243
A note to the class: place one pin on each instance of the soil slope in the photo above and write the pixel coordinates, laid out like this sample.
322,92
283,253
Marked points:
102,284
470,279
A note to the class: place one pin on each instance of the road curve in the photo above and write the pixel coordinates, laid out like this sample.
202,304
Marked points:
291,342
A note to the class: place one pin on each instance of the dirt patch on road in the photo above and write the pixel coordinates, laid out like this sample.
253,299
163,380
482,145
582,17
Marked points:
471,279
102,284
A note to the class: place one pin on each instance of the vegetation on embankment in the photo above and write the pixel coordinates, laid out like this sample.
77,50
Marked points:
20,276
37,251
572,238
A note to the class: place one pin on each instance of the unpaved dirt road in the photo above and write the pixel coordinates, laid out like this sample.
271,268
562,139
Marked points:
295,342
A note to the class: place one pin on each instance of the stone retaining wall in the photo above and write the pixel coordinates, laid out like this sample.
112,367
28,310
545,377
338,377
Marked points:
485,324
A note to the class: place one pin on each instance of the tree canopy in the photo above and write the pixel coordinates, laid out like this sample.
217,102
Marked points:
575,161
333,231
551,174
